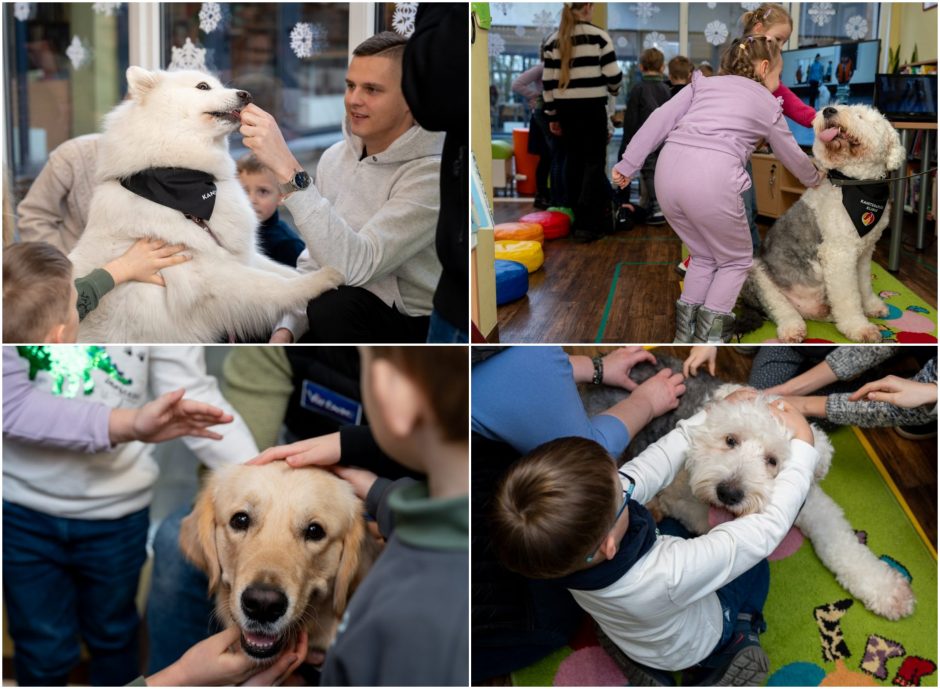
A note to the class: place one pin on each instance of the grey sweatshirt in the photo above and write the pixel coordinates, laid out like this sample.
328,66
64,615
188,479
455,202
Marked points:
374,219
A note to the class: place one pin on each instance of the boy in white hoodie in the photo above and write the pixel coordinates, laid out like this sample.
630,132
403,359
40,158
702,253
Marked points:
564,512
372,210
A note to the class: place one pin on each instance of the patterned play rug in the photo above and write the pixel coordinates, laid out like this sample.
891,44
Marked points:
817,634
911,320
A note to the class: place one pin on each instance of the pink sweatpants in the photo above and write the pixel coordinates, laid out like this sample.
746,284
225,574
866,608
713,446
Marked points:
699,191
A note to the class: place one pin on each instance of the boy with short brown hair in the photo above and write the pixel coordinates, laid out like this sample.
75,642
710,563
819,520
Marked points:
278,241
680,73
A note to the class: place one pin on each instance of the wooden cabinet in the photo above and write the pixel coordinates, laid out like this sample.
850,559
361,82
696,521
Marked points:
776,188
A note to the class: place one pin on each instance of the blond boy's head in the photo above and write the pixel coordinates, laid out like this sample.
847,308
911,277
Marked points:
553,507
39,297
260,183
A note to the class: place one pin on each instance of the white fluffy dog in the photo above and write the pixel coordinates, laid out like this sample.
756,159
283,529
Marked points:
731,464
182,120
814,262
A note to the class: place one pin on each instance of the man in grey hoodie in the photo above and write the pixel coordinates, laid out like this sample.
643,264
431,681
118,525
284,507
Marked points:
371,212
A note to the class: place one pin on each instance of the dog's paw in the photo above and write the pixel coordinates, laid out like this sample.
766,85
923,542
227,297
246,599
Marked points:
896,601
329,278
865,332
794,332
876,309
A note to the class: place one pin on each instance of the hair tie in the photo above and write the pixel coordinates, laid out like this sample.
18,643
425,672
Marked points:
767,13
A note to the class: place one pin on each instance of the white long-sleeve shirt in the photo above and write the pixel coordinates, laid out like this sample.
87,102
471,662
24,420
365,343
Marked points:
114,483
664,611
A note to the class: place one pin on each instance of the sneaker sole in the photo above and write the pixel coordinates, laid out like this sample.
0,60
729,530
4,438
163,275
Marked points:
914,436
747,669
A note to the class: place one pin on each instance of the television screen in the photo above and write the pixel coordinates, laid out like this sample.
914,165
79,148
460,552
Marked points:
838,73
907,97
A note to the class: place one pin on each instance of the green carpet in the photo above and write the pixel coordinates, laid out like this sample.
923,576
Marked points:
799,584
911,319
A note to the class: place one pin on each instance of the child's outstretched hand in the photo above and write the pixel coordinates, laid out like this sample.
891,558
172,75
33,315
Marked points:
144,261
361,480
901,392
792,419
321,451
165,418
619,179
700,354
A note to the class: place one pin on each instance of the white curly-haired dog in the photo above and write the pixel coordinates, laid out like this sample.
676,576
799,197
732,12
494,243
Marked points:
814,263
731,464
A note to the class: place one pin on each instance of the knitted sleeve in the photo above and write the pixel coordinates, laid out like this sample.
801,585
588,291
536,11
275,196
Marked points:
850,362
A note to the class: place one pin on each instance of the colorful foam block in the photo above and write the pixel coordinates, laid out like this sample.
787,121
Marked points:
528,254
522,231
502,149
554,224
512,281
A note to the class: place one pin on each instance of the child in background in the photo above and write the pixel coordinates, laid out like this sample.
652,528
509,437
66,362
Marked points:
651,92
416,399
563,512
680,73
278,241
710,130
41,302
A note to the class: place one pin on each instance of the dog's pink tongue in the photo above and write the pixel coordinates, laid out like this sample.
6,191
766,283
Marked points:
827,135
789,545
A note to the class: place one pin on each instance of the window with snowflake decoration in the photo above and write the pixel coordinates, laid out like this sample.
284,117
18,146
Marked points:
65,70
825,23
712,27
636,26
291,57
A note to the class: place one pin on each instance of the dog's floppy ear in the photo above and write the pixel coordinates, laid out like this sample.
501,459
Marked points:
140,82
197,538
356,558
824,447
896,154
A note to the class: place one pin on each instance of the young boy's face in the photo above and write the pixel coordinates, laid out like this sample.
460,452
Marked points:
261,188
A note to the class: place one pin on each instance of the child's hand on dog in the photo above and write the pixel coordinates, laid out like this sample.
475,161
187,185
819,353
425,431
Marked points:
790,417
144,261
321,451
619,363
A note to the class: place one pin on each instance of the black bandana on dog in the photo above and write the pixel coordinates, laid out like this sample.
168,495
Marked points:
865,203
192,192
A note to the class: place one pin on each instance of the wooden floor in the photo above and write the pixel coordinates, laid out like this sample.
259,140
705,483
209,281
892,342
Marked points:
622,288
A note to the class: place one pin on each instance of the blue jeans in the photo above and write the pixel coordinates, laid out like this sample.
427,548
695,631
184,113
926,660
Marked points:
179,609
65,579
441,331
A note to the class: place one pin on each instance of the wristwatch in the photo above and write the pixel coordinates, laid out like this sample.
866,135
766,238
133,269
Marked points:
598,370
300,181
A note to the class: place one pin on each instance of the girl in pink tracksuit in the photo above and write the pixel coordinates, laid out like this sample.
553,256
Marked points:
710,129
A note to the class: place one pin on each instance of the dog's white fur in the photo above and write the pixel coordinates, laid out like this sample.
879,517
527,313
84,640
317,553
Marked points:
274,551
715,473
835,283
228,286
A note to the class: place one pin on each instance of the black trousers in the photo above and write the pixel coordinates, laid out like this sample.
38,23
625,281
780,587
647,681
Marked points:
353,315
584,138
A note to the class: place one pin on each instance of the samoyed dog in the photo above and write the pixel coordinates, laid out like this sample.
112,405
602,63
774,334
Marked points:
182,120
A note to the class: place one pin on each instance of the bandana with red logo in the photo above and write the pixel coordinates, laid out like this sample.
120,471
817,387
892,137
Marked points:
865,203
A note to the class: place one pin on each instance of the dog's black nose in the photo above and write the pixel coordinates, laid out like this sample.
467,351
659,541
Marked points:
244,96
729,494
263,603
829,112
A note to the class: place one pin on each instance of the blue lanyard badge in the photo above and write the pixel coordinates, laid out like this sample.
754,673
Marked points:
333,405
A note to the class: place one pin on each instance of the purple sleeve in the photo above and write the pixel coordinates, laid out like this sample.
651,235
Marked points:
790,154
794,108
654,131
33,416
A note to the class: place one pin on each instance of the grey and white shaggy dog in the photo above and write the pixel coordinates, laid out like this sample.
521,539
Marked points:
739,477
813,263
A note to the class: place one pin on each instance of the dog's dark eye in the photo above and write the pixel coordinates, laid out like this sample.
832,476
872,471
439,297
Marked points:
771,460
731,441
203,86
240,521
314,532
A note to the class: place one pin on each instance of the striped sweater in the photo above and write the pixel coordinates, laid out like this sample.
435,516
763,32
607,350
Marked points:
594,70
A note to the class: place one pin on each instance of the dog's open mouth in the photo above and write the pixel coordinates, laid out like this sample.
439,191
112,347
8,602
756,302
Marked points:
228,116
261,646
838,134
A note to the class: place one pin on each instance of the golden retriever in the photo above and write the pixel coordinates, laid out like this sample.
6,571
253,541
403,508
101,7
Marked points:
283,548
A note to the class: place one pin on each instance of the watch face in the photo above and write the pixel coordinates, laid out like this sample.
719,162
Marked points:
302,180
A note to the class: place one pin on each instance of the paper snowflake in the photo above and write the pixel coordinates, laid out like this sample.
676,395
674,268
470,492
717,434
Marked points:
716,32
108,9
307,39
77,53
188,57
621,42
210,14
856,27
644,11
544,21
403,18
519,31
750,6
497,44
654,39
502,7
21,11
821,13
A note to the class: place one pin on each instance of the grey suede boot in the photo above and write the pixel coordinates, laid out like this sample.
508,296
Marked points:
685,321
713,327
